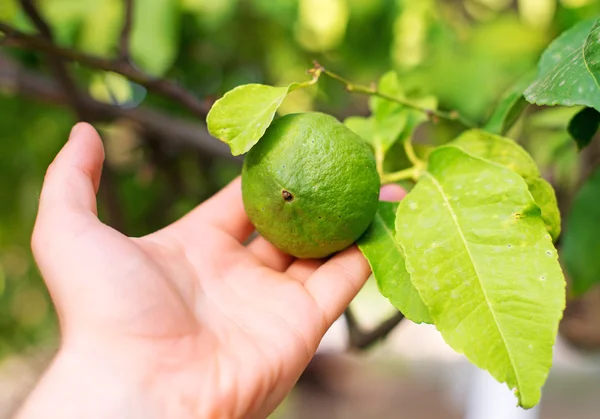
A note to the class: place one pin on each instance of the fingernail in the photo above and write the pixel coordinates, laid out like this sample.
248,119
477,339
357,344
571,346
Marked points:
75,130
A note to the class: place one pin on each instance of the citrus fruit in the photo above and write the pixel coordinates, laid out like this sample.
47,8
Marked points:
310,186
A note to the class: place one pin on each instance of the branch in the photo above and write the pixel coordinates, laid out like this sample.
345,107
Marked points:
175,132
360,339
57,67
126,32
37,19
432,114
160,86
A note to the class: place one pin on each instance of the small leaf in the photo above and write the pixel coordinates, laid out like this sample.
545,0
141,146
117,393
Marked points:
567,73
242,115
379,133
510,107
155,35
584,126
581,241
478,253
498,149
388,84
386,259
363,127
545,198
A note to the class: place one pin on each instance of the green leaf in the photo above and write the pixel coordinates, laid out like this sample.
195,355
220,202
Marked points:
478,253
584,126
111,88
101,26
380,133
510,107
507,152
581,241
363,127
390,85
155,35
568,74
242,115
386,259
545,198
498,149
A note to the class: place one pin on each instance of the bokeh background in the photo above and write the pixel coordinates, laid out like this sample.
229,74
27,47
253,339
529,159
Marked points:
161,161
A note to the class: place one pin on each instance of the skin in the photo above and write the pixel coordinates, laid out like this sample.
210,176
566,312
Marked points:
186,322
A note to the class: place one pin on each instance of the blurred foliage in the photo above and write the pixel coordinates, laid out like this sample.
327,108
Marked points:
466,53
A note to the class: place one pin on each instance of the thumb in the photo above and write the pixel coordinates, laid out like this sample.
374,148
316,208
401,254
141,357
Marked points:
68,198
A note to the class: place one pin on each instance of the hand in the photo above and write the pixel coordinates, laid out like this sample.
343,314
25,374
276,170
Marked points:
186,322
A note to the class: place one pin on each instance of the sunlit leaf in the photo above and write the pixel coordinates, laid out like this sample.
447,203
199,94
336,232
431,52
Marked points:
568,74
242,115
155,35
498,149
321,24
386,259
478,252
581,240
584,126
101,27
111,88
507,152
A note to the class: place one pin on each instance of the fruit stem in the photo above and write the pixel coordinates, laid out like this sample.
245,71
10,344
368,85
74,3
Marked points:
410,173
412,156
379,157
433,114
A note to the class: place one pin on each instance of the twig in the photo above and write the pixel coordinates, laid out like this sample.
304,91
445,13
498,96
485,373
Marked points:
363,340
160,86
126,32
175,132
37,19
410,173
433,114
57,67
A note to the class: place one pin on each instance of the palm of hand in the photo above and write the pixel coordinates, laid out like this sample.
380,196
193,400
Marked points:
212,323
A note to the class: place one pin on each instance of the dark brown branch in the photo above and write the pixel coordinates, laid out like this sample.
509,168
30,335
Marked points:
160,86
175,132
126,32
57,66
36,19
360,339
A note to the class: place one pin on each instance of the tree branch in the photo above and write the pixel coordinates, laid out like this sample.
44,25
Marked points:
126,32
360,339
160,86
57,67
175,132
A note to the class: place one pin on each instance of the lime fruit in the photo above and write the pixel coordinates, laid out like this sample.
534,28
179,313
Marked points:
310,185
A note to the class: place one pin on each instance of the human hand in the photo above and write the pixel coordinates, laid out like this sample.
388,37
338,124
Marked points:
186,322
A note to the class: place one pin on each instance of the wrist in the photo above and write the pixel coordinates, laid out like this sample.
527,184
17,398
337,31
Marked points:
88,385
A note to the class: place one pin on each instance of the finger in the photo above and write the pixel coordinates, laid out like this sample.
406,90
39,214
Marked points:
225,211
68,197
269,255
302,269
337,282
392,193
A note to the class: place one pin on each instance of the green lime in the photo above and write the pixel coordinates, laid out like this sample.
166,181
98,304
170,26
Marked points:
310,186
